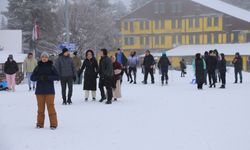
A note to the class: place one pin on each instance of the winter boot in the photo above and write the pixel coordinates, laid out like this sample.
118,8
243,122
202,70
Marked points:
109,102
64,102
222,87
115,99
52,128
93,98
102,99
131,81
86,99
69,101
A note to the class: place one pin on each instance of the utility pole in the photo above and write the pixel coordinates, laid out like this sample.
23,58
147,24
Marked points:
67,21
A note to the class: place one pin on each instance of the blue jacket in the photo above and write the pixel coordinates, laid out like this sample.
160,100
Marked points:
3,84
45,74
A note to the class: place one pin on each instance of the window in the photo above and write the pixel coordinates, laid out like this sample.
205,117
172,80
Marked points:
176,7
126,25
216,38
157,24
142,40
147,40
157,40
180,23
142,25
131,26
209,21
197,39
190,23
174,24
191,39
209,38
126,41
162,24
131,41
156,7
162,40
216,21
162,7
147,25
236,37
197,22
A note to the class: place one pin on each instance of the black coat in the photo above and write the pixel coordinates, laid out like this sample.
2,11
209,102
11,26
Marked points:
199,71
45,74
222,66
183,65
10,67
211,63
238,65
105,67
90,74
164,63
148,61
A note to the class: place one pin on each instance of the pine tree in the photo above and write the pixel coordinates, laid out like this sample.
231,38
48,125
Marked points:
3,23
137,4
23,14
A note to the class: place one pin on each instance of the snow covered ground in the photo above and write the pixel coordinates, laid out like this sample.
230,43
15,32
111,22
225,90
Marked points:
149,117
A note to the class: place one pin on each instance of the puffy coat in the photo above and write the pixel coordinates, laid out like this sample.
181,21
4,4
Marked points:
65,66
10,67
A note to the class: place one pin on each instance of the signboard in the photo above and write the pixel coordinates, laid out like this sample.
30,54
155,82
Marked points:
70,46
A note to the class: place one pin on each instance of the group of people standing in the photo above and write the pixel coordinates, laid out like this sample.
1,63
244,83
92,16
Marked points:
213,65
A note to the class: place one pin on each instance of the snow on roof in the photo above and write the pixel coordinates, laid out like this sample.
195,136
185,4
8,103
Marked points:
191,50
18,57
226,8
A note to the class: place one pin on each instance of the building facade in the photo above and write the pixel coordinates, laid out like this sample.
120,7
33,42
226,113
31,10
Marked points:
166,24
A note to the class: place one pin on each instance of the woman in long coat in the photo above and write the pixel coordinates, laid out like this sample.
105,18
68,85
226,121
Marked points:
116,86
199,67
90,66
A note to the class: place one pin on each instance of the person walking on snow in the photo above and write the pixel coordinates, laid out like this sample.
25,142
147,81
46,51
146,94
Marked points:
183,67
90,66
238,66
77,63
199,66
148,65
44,75
116,87
29,65
10,70
163,65
106,74
133,61
67,72
222,69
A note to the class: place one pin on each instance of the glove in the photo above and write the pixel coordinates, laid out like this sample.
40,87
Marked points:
43,78
74,78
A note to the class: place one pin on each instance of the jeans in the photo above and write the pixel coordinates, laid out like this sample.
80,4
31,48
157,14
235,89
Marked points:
236,72
28,75
64,82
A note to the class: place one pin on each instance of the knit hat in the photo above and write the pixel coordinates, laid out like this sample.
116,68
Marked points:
44,54
10,56
64,50
75,53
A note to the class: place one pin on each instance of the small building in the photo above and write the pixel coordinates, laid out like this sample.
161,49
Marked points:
188,52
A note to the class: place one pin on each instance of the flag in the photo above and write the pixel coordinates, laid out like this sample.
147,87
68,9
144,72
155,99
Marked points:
35,32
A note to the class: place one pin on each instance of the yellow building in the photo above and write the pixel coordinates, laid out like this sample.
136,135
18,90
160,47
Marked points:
166,24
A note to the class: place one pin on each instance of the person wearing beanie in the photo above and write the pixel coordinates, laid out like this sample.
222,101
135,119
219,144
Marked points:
28,67
67,72
10,70
238,66
77,63
106,74
163,65
44,75
222,69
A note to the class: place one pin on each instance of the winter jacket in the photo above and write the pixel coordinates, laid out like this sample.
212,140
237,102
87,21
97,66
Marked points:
117,71
148,61
212,63
105,67
29,65
199,66
164,63
10,67
182,65
77,62
121,58
3,84
45,74
133,61
222,65
90,74
65,66
238,65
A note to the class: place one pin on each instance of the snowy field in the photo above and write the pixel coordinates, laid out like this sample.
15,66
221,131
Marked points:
148,117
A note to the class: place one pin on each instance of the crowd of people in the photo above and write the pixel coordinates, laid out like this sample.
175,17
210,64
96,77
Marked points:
110,70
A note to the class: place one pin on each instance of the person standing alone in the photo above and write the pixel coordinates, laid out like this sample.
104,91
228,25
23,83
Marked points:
163,65
67,73
10,69
45,74
238,66
29,65
148,65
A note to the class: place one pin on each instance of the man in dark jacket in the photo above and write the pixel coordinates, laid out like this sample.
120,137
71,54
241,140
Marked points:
163,65
148,64
222,69
183,67
211,66
67,73
122,59
10,69
106,74
238,66
199,67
